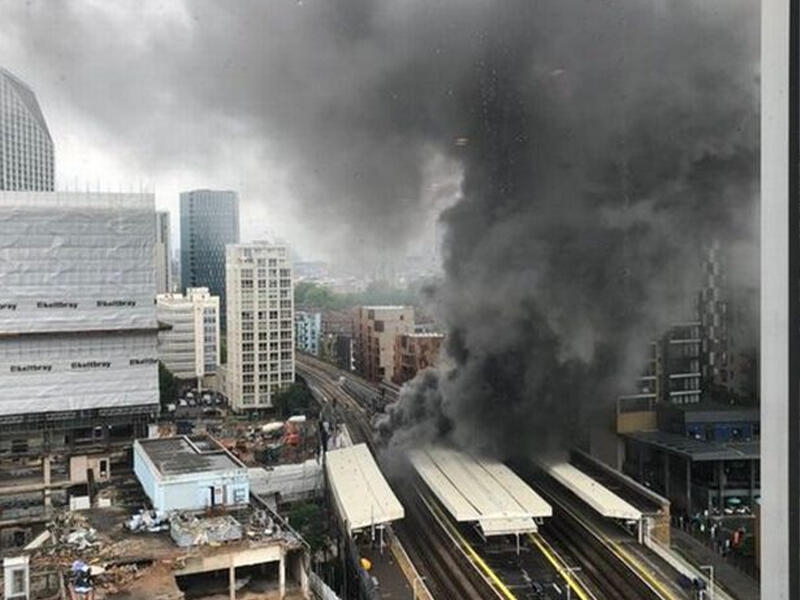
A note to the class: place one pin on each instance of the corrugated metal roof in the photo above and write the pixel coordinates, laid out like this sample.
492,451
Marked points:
600,498
362,495
492,527
479,489
697,450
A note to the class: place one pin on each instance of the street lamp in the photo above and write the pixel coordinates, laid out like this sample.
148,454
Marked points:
710,580
571,571
414,585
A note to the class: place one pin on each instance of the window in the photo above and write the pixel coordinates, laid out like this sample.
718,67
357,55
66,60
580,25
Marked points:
18,582
378,326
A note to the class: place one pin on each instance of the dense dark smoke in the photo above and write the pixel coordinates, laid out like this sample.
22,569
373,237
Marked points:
602,145
602,158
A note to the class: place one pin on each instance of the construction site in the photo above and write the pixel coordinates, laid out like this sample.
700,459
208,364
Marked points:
184,526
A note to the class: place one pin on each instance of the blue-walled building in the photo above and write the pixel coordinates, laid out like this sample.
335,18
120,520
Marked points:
307,328
209,221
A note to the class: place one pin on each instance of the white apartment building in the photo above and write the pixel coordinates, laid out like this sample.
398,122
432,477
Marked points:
190,349
260,316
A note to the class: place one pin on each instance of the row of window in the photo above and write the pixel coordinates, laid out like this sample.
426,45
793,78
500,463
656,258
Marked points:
273,376
248,359
247,336
247,284
262,346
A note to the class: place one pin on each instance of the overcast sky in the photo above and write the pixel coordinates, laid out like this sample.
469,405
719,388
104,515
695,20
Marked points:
346,125
170,96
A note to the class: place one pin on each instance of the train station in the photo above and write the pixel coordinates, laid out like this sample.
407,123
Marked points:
480,490
365,506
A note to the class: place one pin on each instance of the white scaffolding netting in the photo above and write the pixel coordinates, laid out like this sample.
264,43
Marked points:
71,261
77,313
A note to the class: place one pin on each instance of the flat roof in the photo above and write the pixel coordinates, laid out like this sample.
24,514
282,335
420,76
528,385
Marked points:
183,454
600,498
697,450
362,495
479,489
424,334
385,307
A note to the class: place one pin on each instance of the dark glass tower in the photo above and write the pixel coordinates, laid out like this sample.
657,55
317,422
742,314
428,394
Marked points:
209,221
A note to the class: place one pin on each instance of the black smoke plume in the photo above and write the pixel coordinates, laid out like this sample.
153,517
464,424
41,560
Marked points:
604,151
601,144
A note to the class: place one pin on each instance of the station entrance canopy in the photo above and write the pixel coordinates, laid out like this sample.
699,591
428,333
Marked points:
363,497
600,498
480,490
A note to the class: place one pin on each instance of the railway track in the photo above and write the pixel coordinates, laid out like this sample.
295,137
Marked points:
600,563
448,573
607,573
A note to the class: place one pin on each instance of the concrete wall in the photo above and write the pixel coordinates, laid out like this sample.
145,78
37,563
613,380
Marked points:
141,469
642,420
79,468
191,491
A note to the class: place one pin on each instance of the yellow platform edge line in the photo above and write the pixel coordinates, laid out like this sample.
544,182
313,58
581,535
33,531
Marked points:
498,583
571,581
628,559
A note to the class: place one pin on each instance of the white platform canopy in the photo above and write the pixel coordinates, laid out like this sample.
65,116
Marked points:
600,498
480,489
363,497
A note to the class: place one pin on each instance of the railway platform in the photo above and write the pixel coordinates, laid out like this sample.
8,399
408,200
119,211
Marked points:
738,585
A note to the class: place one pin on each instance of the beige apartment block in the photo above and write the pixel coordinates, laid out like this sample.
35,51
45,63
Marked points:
414,352
376,328
260,316
190,347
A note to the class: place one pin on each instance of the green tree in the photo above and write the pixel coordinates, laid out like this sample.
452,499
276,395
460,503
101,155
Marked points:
295,399
167,385
308,520
316,297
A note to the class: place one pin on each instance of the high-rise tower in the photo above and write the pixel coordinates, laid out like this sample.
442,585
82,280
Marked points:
209,221
26,148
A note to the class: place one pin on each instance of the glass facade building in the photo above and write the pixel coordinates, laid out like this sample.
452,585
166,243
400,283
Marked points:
209,221
26,148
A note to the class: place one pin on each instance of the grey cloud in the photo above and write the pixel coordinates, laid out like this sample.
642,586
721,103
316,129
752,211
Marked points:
602,144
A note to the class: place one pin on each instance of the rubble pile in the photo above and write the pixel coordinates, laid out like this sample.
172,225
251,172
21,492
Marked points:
148,520
188,530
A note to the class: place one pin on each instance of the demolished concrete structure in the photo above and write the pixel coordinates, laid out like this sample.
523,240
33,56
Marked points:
267,560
